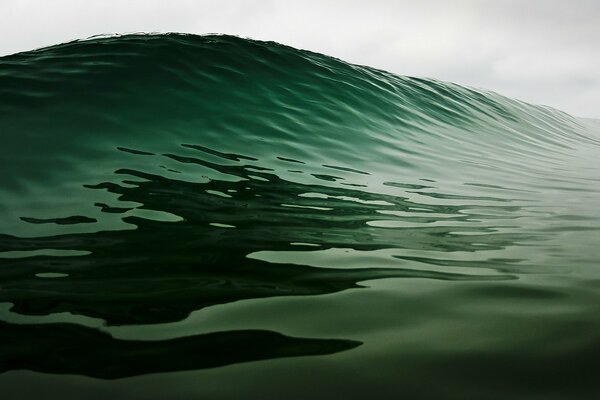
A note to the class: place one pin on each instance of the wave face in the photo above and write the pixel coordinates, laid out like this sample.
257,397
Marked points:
175,203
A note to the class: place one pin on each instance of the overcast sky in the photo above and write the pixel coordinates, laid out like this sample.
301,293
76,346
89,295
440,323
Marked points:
541,51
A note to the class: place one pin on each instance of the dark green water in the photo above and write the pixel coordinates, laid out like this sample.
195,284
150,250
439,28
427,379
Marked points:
191,217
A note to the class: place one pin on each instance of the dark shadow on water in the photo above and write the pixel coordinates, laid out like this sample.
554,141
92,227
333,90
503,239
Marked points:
74,349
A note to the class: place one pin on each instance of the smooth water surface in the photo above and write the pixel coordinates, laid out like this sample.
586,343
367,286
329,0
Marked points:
192,217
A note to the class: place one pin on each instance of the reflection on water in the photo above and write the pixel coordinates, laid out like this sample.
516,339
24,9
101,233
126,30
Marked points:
161,271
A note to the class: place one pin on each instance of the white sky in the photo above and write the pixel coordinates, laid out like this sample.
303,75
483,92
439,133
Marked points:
541,51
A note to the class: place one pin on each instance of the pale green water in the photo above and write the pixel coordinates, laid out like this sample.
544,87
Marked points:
210,217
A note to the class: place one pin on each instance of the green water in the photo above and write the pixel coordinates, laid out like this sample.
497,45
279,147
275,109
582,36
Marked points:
210,217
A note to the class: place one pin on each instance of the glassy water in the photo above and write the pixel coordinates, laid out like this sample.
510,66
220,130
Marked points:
195,217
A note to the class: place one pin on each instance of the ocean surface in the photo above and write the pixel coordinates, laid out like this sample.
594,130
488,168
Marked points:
210,217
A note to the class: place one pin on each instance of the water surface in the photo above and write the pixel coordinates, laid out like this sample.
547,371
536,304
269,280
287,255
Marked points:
215,217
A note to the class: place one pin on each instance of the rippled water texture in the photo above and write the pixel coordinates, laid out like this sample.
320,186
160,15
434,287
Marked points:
213,217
